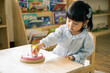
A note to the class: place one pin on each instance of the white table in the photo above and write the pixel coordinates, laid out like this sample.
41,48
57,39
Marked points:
10,62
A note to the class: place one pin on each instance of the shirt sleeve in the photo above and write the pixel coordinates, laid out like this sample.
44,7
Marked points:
86,50
52,38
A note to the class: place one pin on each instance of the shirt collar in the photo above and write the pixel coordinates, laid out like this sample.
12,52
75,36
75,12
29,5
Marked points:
82,34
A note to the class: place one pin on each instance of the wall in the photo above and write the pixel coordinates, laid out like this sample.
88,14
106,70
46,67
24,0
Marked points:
103,5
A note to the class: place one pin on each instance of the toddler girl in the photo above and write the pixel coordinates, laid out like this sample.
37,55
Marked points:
72,39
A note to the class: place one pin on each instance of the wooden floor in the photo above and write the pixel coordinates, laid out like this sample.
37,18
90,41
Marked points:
103,53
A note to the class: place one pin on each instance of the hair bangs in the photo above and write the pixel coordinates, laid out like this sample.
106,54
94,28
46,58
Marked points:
76,14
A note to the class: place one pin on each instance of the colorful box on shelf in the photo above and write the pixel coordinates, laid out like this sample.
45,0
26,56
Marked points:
38,0
28,0
59,17
35,4
51,3
30,20
46,20
59,7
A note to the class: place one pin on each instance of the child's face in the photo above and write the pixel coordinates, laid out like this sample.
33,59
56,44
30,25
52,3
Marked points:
74,26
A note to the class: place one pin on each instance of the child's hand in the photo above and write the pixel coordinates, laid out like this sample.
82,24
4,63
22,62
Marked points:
34,49
37,48
40,45
70,57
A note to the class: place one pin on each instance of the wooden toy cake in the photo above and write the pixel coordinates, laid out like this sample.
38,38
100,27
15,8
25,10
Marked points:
33,57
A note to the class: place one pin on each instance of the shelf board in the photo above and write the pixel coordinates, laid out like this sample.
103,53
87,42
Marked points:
3,26
101,14
45,27
103,32
39,14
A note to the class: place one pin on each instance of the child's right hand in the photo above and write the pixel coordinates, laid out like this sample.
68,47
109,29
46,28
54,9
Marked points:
39,46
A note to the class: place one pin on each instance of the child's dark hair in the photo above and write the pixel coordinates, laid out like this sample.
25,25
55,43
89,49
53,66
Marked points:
80,11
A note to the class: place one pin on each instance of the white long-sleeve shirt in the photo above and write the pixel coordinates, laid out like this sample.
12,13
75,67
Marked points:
80,46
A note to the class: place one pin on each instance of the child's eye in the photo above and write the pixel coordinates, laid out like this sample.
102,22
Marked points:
75,23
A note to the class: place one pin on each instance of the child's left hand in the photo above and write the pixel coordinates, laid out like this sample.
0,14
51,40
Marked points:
70,57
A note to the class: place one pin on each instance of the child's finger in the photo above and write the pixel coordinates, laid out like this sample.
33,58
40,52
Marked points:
67,57
38,49
34,51
70,57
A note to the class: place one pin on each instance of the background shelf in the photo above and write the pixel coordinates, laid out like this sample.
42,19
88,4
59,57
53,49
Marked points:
102,14
101,32
3,26
4,37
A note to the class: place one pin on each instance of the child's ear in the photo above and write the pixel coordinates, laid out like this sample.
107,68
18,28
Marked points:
86,22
